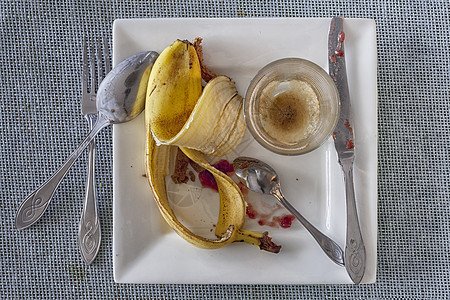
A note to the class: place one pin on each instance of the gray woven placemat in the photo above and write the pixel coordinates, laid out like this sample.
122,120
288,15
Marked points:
40,62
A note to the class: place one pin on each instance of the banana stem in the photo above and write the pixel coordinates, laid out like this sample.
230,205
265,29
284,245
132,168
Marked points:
262,240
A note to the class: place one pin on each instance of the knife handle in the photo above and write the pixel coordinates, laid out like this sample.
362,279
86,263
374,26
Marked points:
355,251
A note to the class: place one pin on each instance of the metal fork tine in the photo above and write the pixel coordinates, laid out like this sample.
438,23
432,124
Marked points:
92,69
106,55
84,78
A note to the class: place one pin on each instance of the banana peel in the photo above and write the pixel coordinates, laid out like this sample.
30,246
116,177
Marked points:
184,115
157,167
232,206
174,86
213,124
216,124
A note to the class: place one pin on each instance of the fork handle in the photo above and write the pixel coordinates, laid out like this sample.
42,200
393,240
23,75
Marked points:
89,234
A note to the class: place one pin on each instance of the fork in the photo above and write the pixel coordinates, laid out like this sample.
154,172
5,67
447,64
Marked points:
89,233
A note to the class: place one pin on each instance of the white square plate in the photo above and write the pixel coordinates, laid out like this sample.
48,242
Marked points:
147,250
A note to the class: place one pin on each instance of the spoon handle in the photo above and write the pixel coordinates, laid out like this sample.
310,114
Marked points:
330,247
34,206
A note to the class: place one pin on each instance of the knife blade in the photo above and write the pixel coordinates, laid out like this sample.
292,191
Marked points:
355,252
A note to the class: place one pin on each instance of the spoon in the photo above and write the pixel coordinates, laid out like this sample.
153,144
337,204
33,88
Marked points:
262,178
120,98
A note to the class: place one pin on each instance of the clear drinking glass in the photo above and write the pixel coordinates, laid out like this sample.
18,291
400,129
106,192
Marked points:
291,106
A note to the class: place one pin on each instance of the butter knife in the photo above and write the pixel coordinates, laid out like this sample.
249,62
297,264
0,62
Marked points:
355,252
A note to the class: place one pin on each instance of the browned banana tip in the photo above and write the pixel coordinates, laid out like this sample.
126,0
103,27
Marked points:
207,74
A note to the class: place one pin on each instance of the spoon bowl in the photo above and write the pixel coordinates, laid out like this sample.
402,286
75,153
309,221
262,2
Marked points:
256,175
121,95
120,98
262,178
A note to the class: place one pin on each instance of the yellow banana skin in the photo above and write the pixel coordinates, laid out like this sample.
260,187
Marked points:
175,78
157,162
232,205
216,125
176,112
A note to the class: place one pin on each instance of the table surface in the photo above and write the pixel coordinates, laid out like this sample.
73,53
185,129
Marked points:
41,122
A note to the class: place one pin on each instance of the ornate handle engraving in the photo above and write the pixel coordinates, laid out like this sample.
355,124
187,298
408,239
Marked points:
356,260
89,240
30,211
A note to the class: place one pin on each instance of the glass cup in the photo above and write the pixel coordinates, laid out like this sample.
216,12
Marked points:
291,106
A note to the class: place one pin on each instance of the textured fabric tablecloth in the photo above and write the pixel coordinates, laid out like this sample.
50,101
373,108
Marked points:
40,122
